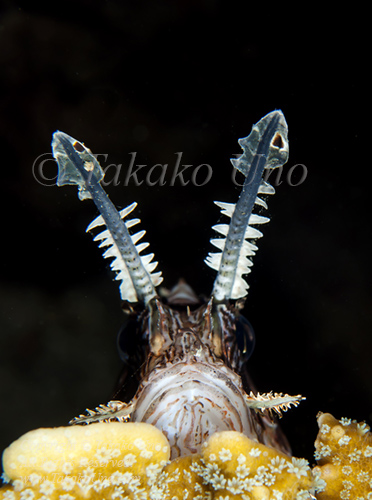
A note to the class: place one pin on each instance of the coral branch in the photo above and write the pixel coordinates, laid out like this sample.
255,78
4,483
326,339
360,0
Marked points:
131,461
344,456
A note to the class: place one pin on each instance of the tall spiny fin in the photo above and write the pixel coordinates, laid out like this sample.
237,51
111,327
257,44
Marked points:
265,148
77,165
105,238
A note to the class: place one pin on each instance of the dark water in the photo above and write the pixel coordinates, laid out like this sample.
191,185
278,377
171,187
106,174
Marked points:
161,79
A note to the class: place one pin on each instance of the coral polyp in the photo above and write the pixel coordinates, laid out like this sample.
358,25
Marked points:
344,456
131,461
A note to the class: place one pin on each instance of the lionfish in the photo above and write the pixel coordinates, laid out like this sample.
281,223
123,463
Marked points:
188,355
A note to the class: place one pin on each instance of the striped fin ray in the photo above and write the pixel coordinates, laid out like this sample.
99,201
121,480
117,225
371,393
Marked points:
105,239
264,149
77,165
272,402
247,249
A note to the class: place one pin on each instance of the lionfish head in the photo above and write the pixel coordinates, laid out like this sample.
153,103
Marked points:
187,350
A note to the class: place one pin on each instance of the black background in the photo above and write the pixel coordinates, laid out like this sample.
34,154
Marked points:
159,78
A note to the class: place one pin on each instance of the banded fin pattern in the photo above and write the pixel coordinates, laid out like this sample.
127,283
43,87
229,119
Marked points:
272,402
264,149
127,290
113,411
77,165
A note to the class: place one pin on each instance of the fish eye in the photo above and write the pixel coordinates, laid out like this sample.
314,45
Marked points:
127,341
245,337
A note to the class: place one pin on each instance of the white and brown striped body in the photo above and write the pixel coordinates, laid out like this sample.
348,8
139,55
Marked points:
182,355
189,387
189,401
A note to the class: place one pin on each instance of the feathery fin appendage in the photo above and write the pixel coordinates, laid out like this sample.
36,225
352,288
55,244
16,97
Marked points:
113,411
264,149
77,165
272,402
276,153
66,150
118,264
99,221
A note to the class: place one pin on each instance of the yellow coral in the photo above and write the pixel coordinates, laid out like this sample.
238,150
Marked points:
125,461
103,460
235,467
232,466
344,454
